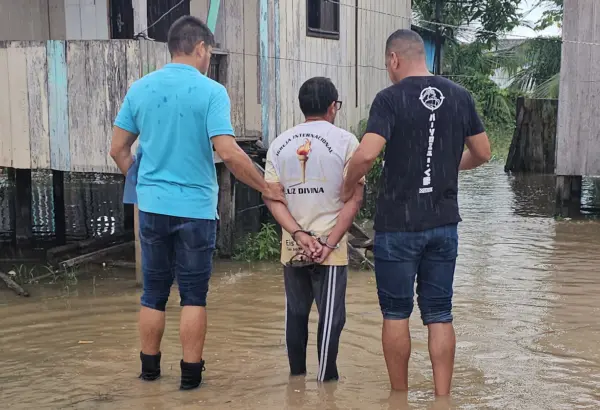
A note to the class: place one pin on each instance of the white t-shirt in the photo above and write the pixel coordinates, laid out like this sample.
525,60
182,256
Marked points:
310,162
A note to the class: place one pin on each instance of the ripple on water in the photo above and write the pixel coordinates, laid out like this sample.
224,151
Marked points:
526,316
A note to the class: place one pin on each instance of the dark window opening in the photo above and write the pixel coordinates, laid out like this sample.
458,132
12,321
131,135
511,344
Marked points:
160,8
323,18
121,19
217,68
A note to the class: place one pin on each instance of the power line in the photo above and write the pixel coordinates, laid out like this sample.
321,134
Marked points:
159,19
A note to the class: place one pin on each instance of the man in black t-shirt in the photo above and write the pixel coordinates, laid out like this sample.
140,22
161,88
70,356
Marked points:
425,121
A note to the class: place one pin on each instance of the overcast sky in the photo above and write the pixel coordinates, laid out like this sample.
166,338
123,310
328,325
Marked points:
533,16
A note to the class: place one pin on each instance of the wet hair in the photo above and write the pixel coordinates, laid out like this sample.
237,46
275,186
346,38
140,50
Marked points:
185,34
406,43
316,95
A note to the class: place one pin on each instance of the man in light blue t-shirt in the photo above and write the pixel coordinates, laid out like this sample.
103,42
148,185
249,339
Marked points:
179,115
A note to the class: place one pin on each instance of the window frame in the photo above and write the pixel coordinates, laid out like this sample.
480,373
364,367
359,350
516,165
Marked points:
322,33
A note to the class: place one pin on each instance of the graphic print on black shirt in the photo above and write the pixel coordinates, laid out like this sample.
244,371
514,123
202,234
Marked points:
432,99
425,121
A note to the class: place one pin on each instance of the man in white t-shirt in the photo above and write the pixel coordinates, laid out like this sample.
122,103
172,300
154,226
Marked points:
309,161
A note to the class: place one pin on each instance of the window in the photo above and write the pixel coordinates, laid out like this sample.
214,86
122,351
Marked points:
323,18
217,69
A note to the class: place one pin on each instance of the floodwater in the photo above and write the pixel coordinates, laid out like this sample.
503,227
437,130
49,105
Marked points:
526,309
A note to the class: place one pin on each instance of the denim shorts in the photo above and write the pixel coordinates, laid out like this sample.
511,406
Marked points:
174,247
427,256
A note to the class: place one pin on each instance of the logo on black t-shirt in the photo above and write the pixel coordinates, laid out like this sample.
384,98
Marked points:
432,99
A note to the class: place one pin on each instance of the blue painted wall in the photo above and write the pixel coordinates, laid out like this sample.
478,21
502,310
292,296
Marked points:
429,52
429,39
58,106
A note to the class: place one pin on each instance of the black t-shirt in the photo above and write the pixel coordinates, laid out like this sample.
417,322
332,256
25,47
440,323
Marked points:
425,121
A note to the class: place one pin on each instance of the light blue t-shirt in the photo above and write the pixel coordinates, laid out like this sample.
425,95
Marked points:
176,111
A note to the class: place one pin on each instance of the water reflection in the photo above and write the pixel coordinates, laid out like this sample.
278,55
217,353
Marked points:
526,310
93,206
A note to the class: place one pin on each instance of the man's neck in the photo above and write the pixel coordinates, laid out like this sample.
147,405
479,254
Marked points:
183,60
313,119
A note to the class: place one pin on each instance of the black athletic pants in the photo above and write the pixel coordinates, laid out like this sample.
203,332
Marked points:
326,285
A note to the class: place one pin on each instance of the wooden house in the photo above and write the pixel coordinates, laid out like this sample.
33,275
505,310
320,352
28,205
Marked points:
65,66
578,134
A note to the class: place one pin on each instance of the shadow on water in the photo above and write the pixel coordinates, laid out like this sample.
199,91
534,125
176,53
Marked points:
526,317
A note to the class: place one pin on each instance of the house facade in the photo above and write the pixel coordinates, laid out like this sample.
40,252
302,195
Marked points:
271,46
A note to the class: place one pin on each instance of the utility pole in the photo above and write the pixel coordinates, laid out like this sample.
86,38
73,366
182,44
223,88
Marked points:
437,67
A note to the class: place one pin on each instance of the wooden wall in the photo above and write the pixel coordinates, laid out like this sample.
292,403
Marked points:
30,20
63,97
41,20
270,56
87,20
578,137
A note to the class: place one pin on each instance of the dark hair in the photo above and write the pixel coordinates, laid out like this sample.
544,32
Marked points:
185,34
406,42
316,95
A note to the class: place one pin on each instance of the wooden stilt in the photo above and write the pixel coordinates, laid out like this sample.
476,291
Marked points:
139,278
568,195
58,194
225,241
23,220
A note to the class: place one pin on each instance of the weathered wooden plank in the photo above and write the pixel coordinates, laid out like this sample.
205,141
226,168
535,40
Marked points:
252,110
73,20
5,126
161,54
94,157
593,144
79,102
145,68
233,13
263,28
134,63
37,85
58,108
19,104
199,8
579,146
116,79
567,100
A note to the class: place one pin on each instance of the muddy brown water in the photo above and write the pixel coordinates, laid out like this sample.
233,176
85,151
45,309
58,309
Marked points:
527,311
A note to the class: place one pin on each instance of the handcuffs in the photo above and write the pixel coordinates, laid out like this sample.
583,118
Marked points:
322,240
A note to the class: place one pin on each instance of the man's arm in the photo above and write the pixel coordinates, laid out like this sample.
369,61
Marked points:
380,127
220,131
478,152
120,148
361,162
125,132
242,167
347,215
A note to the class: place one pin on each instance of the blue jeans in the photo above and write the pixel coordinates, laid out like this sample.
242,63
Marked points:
430,257
174,247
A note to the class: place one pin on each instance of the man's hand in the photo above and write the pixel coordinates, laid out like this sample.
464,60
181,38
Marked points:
310,245
274,192
324,255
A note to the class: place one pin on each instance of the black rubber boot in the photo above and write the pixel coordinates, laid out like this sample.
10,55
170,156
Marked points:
191,375
150,367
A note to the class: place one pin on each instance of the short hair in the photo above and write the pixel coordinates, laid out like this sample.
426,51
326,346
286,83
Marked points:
185,34
316,95
406,43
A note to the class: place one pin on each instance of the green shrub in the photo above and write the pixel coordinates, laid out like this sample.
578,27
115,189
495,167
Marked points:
264,245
